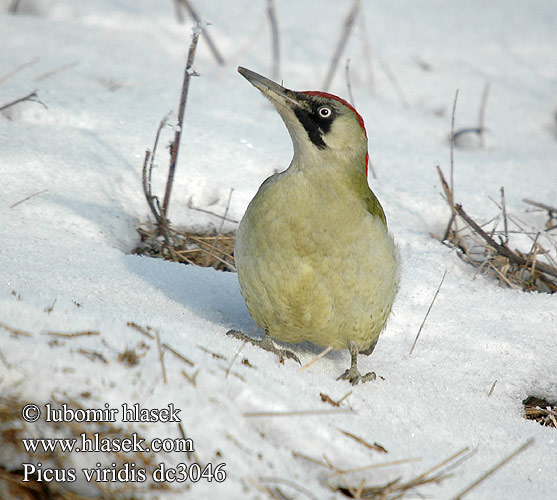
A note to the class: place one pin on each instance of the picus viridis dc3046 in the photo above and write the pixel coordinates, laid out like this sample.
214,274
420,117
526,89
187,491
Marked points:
314,257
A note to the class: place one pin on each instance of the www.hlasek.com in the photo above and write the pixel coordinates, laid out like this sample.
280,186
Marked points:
94,442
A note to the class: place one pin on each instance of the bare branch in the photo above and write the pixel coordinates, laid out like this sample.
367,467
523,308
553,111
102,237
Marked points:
32,96
196,17
174,147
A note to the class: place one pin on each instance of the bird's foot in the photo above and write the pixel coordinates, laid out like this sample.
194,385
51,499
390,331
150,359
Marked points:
265,343
353,376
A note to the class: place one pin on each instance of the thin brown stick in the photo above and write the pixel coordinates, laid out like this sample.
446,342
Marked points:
494,469
175,145
212,47
427,313
161,356
363,442
235,357
189,454
317,358
341,44
70,335
492,389
275,41
211,213
381,464
191,379
168,348
28,198
15,331
164,345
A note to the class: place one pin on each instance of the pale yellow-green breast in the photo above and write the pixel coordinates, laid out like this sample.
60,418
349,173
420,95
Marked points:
315,260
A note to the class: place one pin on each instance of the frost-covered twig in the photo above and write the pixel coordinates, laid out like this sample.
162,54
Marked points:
175,145
197,18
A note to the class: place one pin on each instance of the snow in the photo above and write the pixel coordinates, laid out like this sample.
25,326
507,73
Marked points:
120,70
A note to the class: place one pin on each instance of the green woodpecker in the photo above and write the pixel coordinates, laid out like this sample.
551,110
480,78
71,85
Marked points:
314,257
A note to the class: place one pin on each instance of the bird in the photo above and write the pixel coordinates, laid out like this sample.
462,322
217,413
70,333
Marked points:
314,257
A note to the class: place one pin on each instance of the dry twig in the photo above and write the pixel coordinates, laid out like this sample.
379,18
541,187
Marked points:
15,331
31,97
375,446
175,145
513,267
317,358
197,18
427,313
71,334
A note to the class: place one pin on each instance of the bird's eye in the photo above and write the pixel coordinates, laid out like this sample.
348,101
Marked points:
324,112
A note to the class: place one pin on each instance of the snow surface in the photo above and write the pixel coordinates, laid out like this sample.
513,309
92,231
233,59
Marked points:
71,244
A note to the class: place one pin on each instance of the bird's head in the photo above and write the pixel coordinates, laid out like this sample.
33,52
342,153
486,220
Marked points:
321,125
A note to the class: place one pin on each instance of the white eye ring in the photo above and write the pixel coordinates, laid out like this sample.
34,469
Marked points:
325,112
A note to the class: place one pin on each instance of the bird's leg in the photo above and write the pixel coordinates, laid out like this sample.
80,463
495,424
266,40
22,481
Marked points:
353,374
265,343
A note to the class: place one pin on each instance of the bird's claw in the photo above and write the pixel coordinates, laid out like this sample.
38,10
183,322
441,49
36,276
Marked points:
285,353
265,343
353,376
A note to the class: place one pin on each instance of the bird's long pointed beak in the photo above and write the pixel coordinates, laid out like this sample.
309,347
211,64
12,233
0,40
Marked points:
277,93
